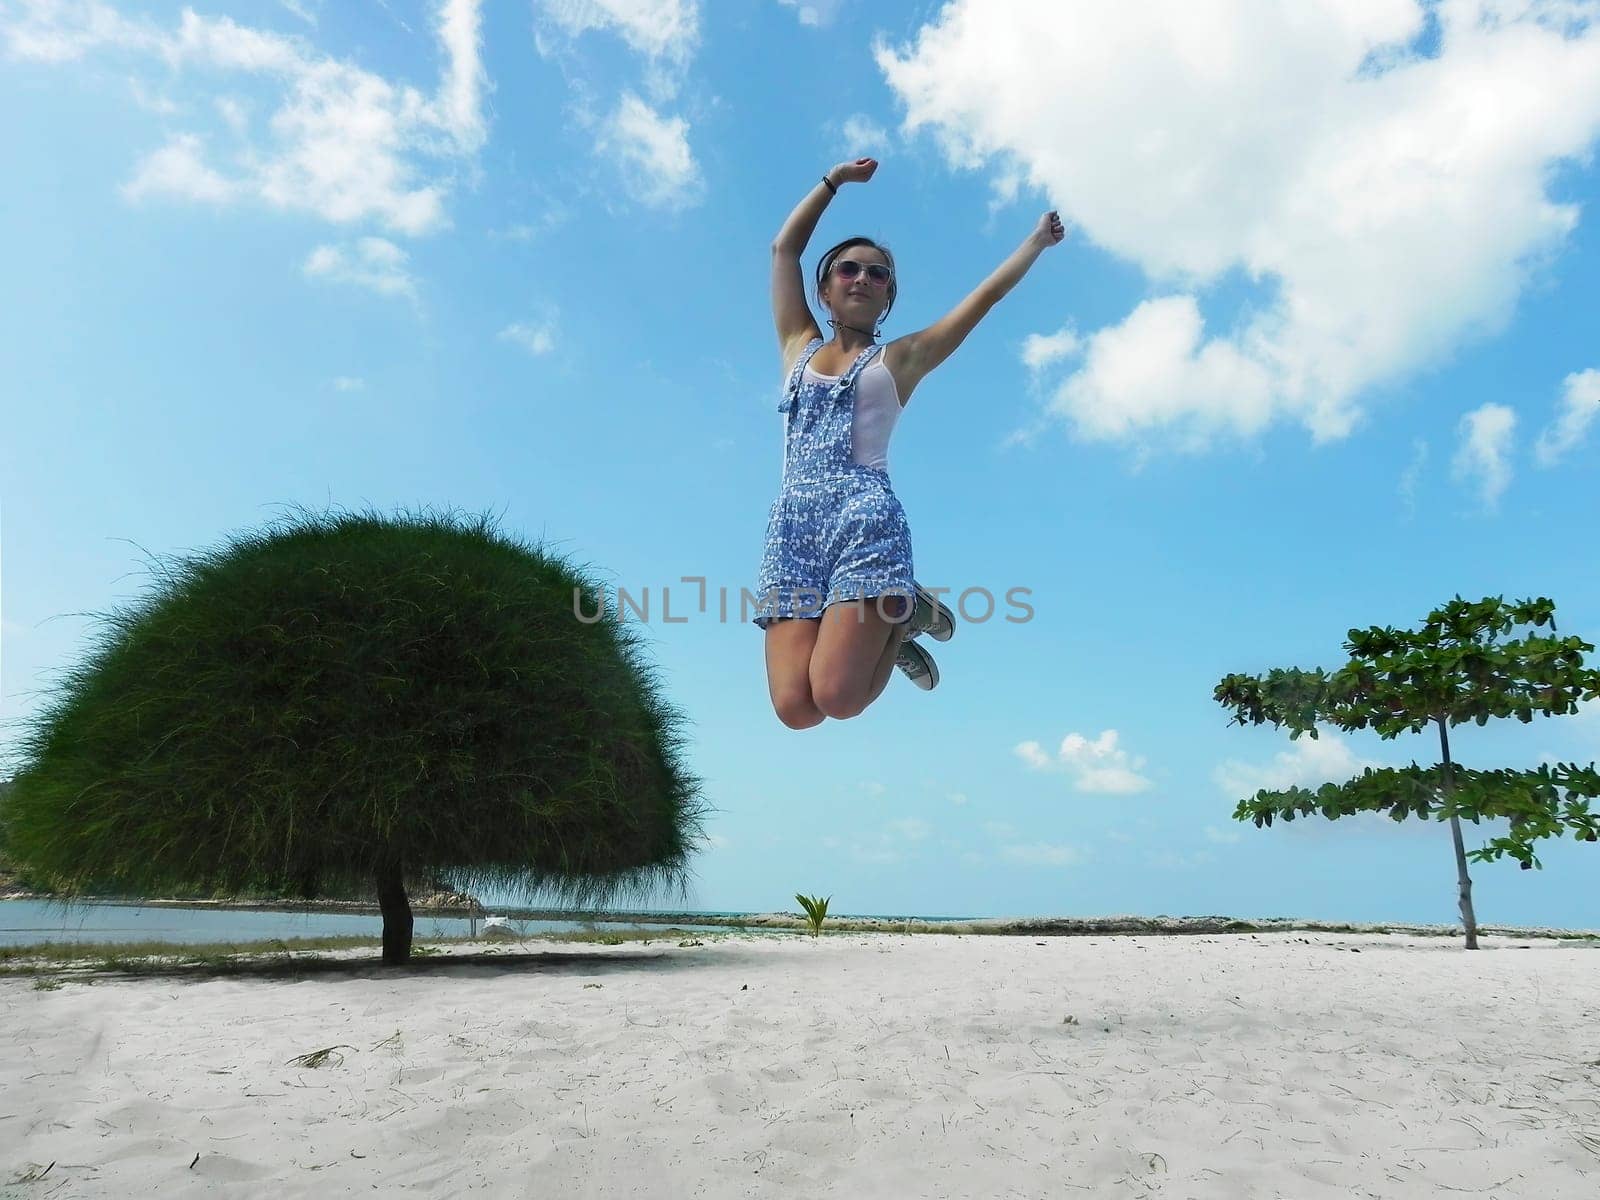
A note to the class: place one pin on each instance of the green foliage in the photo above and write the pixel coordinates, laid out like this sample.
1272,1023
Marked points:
1543,802
13,878
816,911
309,707
1450,672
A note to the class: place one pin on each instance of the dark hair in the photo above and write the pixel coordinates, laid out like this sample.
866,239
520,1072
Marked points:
825,264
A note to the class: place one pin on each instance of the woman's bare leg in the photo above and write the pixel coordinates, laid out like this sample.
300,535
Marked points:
885,667
790,642
854,654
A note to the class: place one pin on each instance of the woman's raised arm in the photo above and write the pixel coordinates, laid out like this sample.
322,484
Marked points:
790,312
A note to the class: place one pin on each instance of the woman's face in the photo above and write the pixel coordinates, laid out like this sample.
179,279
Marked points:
859,301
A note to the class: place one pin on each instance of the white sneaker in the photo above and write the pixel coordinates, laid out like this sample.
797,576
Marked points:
930,617
917,665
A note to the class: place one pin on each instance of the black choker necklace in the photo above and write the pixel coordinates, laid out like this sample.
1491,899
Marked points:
842,325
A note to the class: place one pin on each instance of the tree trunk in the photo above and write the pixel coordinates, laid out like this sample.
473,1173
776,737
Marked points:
1464,881
396,911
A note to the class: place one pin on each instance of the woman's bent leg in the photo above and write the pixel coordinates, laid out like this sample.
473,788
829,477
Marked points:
885,667
847,665
790,642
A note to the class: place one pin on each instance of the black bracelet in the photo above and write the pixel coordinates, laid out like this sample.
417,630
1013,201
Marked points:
829,182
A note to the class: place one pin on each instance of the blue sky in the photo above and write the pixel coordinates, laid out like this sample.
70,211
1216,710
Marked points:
1317,353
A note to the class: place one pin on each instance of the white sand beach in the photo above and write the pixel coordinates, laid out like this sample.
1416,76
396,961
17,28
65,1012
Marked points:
877,1065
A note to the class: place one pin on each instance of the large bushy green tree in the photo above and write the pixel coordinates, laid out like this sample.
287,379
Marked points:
342,703
1452,671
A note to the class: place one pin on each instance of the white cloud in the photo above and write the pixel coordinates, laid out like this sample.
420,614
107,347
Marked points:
814,14
1004,188
1484,452
666,29
533,338
547,213
653,154
374,263
1033,754
299,10
1171,860
1413,472
1157,370
1580,402
1389,203
56,31
888,845
879,854
235,112
1039,350
1308,763
1033,854
958,798
1042,854
652,150
863,137
872,787
178,169
1223,837
398,20
460,111
349,383
1582,729
344,141
1097,766
152,103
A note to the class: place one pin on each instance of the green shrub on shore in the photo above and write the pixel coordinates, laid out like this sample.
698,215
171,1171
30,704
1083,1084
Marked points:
346,705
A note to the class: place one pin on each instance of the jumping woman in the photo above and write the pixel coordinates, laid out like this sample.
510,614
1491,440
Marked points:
837,536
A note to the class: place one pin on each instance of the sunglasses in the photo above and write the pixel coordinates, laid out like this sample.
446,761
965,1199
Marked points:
848,269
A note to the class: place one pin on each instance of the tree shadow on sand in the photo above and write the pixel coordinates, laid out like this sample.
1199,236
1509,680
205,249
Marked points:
280,968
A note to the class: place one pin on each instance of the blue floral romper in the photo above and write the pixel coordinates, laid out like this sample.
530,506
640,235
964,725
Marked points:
836,530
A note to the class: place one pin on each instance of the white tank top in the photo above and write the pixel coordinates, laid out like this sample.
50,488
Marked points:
877,407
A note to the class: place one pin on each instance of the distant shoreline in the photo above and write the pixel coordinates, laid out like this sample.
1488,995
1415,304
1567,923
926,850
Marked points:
1001,926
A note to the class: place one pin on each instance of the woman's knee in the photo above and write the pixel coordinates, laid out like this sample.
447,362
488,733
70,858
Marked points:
839,697
797,710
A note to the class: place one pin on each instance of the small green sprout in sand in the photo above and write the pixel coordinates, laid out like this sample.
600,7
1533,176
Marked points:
816,911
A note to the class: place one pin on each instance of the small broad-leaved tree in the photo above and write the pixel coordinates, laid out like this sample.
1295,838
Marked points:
348,704
1452,671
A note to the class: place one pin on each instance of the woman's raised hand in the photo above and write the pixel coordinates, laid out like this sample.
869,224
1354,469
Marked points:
858,171
1049,231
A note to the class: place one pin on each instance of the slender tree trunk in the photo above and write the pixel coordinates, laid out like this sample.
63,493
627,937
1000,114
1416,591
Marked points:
396,911
1468,920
